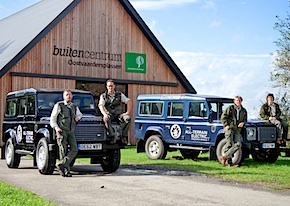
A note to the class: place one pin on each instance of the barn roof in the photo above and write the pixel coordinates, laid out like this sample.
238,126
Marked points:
21,31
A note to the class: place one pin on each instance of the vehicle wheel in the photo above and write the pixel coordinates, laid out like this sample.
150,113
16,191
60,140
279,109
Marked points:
273,156
238,156
265,157
259,157
12,159
45,159
154,148
189,154
111,162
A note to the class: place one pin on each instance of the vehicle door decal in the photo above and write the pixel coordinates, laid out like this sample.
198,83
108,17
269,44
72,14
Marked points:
175,131
28,135
19,133
197,135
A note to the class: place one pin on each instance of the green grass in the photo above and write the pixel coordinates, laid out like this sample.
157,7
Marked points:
13,196
268,175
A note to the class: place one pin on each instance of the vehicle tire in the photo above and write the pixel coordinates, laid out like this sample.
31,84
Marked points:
273,156
12,159
189,154
45,159
154,148
111,162
238,156
265,157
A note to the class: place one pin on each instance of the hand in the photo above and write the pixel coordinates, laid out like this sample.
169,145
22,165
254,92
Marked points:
106,117
76,119
241,124
227,127
58,131
122,115
272,118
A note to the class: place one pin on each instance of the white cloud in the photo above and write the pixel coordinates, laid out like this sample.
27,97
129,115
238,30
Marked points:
155,29
228,75
215,23
159,4
209,5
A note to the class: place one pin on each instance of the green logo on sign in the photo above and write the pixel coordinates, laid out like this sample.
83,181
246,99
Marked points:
135,62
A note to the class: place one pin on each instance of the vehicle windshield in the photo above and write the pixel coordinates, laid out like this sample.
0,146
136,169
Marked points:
217,106
46,101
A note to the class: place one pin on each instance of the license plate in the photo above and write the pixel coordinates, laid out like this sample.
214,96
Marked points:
268,145
96,146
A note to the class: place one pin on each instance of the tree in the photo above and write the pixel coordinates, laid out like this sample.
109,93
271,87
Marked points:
281,74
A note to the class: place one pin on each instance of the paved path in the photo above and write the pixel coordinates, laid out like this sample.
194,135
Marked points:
136,186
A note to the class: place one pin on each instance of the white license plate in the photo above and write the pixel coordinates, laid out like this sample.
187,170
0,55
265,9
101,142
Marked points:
268,145
96,146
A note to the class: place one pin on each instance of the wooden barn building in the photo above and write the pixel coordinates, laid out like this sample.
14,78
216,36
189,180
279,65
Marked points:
79,44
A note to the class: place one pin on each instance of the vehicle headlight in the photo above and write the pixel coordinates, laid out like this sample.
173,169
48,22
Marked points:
251,134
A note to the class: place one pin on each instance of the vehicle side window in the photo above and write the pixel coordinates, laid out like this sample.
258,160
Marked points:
151,108
31,105
11,106
197,109
175,109
214,110
22,106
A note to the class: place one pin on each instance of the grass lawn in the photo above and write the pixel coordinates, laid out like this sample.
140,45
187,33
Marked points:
10,195
268,175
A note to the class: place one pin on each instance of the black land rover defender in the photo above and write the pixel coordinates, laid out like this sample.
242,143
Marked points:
26,130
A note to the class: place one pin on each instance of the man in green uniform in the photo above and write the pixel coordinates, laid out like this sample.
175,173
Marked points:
233,119
63,119
110,105
270,111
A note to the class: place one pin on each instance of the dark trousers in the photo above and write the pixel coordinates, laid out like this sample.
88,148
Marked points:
66,156
124,123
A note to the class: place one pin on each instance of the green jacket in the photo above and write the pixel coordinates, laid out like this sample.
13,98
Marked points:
229,117
265,111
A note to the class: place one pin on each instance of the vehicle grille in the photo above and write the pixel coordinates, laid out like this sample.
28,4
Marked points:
266,134
90,132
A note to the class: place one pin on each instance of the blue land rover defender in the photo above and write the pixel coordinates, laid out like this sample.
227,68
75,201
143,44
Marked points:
26,130
191,123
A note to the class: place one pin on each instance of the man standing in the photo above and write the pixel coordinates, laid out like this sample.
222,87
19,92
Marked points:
270,111
63,119
110,105
233,119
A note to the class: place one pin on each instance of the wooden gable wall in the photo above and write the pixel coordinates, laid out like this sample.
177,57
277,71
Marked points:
92,26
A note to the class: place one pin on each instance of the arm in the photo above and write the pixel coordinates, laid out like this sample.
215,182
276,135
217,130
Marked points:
263,114
278,111
129,103
79,115
53,118
245,118
102,108
225,118
129,107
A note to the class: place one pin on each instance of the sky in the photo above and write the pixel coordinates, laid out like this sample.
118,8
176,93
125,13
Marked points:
223,47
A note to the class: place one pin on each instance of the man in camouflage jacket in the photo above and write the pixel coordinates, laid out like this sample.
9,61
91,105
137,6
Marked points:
233,118
270,111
